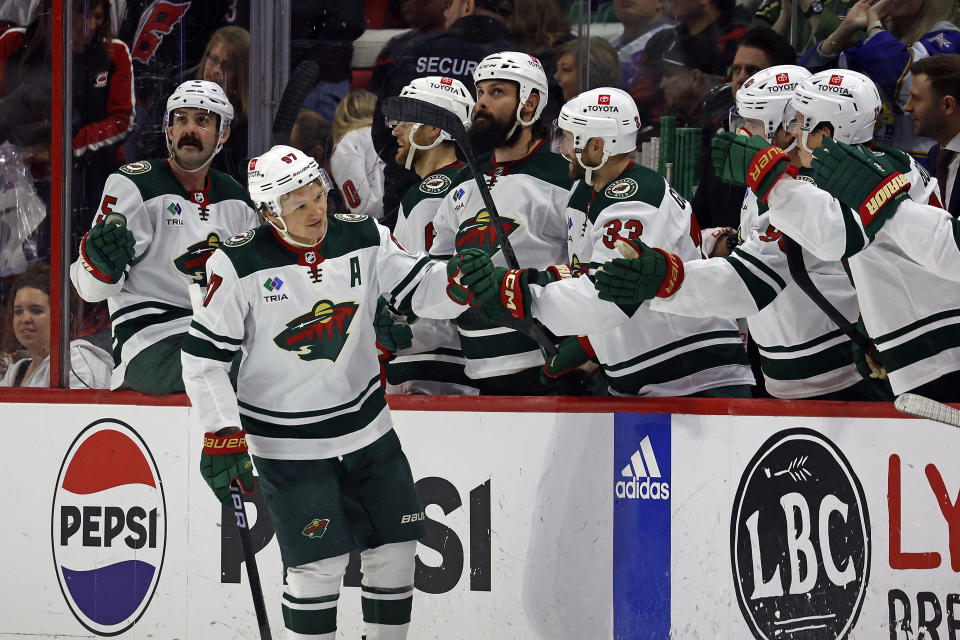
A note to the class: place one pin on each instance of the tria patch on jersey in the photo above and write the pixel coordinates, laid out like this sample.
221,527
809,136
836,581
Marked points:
350,217
479,233
135,168
435,184
320,333
193,262
621,189
316,528
240,239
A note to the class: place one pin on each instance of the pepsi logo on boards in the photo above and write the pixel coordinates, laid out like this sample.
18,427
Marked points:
108,527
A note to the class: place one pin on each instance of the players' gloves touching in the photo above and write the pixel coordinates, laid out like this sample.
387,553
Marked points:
868,362
464,271
647,273
107,249
869,184
393,332
224,459
748,161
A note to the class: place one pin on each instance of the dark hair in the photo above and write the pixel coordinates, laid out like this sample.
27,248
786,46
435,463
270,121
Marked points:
313,130
538,25
774,45
41,43
502,8
944,73
37,276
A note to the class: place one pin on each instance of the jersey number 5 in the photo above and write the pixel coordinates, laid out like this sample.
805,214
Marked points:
633,228
214,283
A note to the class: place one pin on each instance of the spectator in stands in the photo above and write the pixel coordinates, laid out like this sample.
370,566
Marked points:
357,169
815,19
102,98
313,135
422,16
642,19
934,105
716,203
540,28
28,311
226,61
924,26
604,67
690,70
476,29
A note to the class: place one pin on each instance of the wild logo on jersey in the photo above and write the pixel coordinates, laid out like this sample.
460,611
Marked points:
479,233
193,262
316,528
320,333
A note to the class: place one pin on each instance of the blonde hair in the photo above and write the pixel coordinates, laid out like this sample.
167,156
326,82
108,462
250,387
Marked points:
237,42
538,25
355,111
932,12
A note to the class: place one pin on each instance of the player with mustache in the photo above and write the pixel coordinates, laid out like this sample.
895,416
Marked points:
173,213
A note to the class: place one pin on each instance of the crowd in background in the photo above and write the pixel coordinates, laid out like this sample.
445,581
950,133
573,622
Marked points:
685,59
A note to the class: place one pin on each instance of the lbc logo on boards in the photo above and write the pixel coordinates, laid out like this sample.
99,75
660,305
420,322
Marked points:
800,540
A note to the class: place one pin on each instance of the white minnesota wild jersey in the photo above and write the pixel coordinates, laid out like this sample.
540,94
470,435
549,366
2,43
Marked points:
530,194
929,235
802,352
433,364
911,314
309,385
642,352
175,232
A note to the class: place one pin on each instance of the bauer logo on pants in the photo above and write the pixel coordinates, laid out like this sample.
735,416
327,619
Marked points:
108,527
799,540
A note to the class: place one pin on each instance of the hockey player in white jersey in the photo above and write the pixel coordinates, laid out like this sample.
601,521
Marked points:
910,315
803,353
926,233
642,352
431,362
297,298
177,211
529,186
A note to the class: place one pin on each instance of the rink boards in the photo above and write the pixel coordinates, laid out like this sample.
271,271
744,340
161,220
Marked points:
540,525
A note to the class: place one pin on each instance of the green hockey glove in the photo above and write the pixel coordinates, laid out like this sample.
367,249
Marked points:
869,184
106,250
469,273
572,352
654,273
393,332
224,459
748,161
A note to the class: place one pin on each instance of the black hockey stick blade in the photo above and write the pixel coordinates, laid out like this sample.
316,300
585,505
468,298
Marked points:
250,560
303,78
407,109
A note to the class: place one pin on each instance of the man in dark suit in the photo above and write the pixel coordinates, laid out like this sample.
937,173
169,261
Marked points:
935,107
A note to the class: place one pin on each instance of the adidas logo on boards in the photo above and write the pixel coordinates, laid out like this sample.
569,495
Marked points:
643,472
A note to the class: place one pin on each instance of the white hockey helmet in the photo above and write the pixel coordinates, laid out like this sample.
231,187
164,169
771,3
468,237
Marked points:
606,113
848,100
447,93
276,173
765,94
522,68
199,94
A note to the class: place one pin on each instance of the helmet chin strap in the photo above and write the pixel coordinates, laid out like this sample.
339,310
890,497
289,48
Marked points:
519,121
803,141
588,177
282,230
414,146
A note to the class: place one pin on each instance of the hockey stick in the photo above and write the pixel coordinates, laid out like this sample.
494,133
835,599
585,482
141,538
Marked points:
413,110
249,559
303,78
926,408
